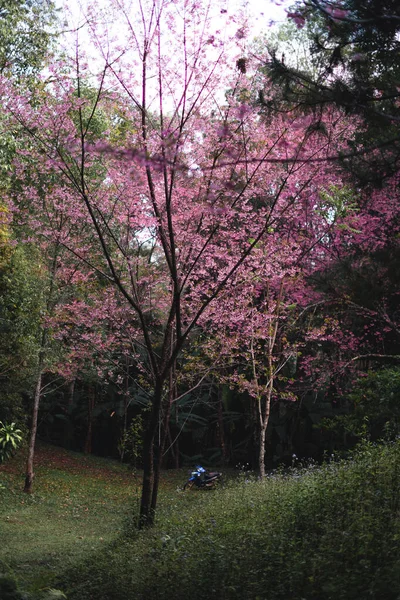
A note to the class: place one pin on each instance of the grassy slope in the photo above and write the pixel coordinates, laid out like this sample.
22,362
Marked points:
319,534
79,503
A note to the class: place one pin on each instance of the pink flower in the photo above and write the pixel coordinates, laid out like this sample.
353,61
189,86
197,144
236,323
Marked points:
297,18
338,13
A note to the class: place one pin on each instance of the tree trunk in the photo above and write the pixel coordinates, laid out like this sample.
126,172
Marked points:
175,444
264,413
263,428
36,401
68,426
32,438
158,455
89,434
177,465
147,508
146,519
222,392
158,458
261,458
126,405
171,445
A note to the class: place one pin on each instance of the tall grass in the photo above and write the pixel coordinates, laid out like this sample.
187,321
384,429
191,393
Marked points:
314,533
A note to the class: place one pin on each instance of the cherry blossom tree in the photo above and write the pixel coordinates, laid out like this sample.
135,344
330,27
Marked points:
360,282
251,339
259,329
185,191
54,275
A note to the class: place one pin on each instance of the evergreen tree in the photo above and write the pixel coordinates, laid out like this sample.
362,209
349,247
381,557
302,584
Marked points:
354,65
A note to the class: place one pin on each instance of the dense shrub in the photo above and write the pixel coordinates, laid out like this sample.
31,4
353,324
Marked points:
9,590
314,533
375,409
10,439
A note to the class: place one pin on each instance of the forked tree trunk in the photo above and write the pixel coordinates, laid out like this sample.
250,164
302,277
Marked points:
158,458
264,411
29,476
147,510
263,433
261,458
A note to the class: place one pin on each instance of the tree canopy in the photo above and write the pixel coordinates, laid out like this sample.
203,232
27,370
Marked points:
354,63
26,30
213,267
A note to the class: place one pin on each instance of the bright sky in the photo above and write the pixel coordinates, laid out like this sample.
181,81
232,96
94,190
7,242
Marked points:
261,14
227,20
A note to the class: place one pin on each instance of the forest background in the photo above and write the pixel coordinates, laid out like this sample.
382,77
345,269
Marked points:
200,233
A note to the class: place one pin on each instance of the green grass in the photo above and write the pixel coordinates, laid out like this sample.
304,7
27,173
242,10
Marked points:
330,533
79,504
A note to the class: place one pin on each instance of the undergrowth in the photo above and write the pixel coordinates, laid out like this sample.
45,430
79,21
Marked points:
311,533
318,533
